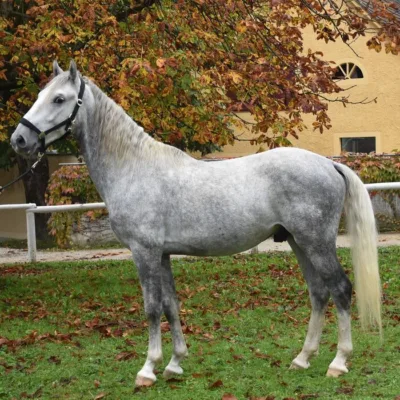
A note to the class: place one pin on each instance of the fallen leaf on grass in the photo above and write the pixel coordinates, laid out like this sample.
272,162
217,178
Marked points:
345,390
7,368
174,380
125,355
21,270
276,363
67,381
216,384
33,337
164,326
262,356
101,255
34,395
228,396
54,359
217,325
208,336
3,340
130,342
100,396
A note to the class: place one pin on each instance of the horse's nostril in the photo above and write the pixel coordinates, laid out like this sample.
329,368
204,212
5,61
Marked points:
21,142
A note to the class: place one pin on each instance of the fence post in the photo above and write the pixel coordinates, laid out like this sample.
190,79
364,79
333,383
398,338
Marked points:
254,250
31,234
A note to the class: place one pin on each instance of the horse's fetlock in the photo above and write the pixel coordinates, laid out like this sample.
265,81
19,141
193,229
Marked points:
155,356
345,349
313,350
181,353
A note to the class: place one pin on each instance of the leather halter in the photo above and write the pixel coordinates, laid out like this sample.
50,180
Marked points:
68,123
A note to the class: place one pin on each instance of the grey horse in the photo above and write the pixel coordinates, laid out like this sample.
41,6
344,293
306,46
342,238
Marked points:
161,201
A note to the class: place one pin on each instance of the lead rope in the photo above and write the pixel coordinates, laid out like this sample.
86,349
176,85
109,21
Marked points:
31,169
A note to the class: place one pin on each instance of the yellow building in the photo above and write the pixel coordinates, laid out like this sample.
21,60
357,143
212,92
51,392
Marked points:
355,128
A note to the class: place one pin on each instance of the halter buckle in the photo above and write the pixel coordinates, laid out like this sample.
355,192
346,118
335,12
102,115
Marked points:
79,102
40,156
71,121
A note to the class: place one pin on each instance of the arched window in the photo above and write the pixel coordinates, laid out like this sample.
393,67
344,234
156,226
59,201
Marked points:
348,70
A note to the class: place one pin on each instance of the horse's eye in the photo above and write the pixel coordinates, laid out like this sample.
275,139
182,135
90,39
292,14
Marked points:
59,100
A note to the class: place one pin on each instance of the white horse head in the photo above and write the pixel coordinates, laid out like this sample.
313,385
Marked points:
43,123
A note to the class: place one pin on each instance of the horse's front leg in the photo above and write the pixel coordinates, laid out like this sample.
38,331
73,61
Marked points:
170,305
148,263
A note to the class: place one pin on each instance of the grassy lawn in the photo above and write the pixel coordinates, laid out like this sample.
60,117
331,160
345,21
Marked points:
77,330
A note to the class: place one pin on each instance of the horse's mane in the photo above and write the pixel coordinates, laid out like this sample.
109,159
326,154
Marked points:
120,137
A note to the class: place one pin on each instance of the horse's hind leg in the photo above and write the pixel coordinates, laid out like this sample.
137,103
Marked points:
319,296
148,263
170,305
323,258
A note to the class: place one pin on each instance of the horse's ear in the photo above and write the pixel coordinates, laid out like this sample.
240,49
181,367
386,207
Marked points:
73,70
56,68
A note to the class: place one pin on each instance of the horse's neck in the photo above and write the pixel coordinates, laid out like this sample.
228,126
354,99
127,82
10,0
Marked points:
115,146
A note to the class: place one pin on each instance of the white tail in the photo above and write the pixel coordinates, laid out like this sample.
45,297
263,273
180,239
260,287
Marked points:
362,229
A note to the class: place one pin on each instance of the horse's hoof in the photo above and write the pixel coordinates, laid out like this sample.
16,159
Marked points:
299,365
335,373
142,381
171,372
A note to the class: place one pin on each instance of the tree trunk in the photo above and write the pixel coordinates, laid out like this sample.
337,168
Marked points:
35,185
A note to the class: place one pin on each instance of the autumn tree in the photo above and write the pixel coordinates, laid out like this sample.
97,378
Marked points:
182,69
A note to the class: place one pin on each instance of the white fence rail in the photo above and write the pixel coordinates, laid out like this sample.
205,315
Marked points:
31,209
382,186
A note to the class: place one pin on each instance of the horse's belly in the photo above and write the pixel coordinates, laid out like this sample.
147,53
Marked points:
212,244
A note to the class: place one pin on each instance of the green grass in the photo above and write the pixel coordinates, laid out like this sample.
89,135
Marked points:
76,330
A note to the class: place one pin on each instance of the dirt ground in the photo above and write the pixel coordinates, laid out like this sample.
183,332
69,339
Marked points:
8,255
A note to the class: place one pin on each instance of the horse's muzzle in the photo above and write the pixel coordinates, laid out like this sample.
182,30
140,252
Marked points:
24,142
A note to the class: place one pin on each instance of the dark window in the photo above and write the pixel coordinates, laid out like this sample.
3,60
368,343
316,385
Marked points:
358,144
348,71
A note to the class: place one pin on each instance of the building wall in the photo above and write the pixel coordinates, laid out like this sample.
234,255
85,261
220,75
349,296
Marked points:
12,222
380,120
381,80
